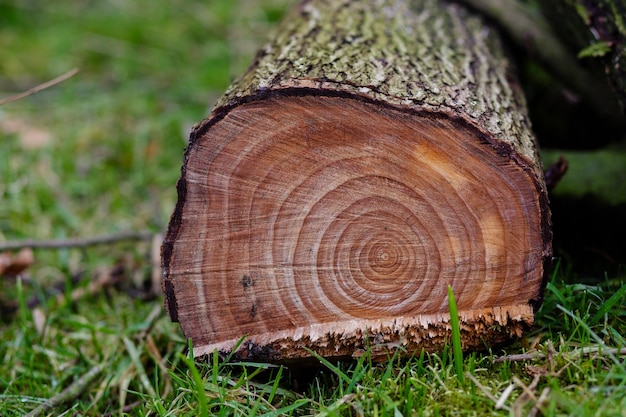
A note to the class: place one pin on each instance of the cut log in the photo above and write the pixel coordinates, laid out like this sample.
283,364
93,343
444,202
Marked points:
373,154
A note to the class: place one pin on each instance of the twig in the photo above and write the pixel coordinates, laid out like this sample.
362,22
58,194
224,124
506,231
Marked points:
603,350
68,394
505,396
40,87
519,357
75,242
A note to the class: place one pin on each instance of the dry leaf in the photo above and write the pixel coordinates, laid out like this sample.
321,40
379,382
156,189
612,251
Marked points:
13,265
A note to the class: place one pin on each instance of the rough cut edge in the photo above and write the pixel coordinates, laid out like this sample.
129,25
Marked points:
350,338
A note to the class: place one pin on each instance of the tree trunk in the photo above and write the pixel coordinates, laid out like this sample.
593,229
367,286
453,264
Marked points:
373,154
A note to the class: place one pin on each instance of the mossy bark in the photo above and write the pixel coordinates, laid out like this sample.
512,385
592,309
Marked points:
419,54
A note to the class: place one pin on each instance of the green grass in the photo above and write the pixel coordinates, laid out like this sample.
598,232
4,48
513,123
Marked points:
456,335
101,152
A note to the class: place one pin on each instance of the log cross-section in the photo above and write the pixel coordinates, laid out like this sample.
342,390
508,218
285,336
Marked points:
373,154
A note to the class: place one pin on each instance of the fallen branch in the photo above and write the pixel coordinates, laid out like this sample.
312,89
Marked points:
75,242
40,87
68,394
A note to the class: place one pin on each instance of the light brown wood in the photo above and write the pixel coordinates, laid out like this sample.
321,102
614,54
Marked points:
332,216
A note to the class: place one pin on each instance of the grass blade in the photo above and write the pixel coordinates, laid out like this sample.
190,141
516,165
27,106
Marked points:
134,354
203,407
608,304
456,335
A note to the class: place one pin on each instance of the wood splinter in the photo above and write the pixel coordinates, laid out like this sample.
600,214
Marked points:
373,154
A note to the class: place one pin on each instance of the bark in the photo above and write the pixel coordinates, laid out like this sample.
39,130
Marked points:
373,154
